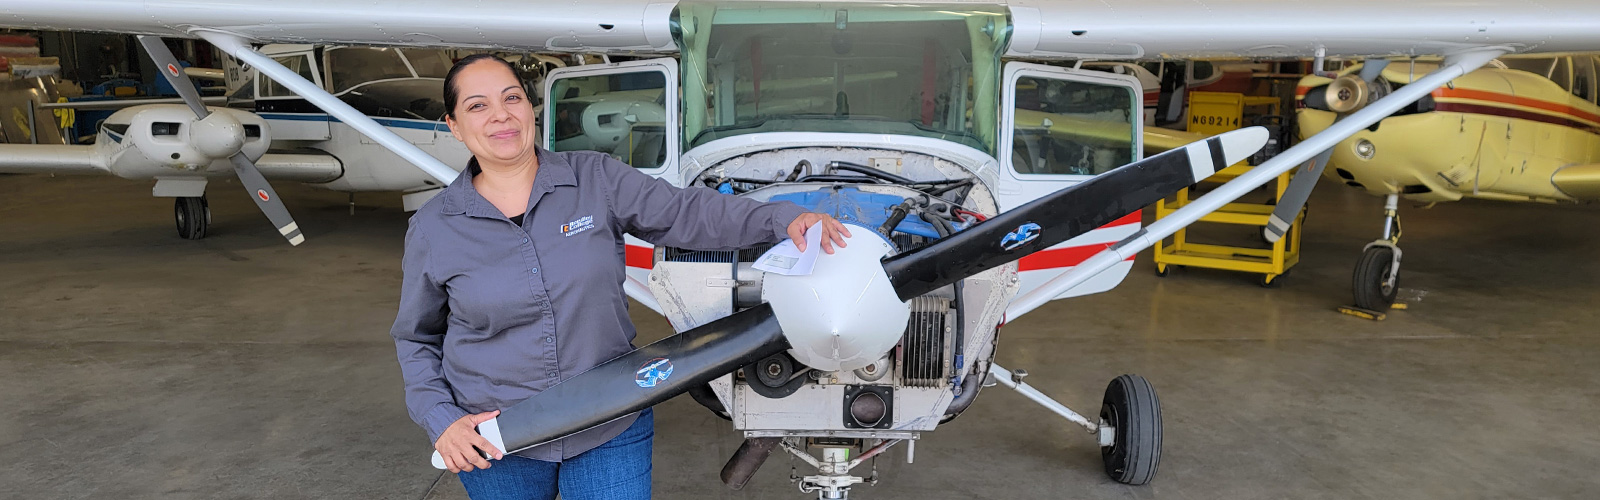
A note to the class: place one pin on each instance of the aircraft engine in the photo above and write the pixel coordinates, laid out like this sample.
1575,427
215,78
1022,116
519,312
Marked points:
861,358
165,140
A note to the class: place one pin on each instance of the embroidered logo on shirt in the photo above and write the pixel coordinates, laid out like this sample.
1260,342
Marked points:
584,223
653,372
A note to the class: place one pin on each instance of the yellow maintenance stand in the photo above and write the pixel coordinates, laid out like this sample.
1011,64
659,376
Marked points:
1212,113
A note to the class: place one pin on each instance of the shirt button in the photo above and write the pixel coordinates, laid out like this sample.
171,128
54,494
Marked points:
549,340
535,270
524,239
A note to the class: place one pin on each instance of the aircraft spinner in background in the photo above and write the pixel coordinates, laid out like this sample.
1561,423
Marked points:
1525,128
954,169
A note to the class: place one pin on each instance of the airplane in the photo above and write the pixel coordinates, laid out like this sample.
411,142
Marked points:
896,333
1525,128
276,130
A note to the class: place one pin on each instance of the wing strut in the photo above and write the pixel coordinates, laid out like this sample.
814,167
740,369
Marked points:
239,48
1454,66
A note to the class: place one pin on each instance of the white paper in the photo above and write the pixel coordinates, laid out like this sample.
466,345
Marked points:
788,260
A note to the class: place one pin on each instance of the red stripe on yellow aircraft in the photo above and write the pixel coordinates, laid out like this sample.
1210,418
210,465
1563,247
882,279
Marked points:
1569,116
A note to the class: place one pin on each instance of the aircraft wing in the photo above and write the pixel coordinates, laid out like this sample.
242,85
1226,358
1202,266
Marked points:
1041,28
50,159
1273,28
1157,139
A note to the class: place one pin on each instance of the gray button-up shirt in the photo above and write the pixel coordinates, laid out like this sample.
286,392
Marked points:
492,313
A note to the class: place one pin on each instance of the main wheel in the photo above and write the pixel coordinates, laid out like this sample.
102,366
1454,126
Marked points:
193,216
1132,408
1376,282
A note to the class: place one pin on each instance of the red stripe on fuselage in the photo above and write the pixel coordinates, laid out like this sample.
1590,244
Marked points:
1072,256
1496,97
1478,109
640,257
644,258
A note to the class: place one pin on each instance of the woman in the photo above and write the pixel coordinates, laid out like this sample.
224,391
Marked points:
513,283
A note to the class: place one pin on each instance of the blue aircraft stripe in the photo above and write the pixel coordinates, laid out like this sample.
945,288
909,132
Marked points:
387,122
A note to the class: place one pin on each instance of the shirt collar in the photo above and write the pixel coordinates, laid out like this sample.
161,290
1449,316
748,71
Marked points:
462,198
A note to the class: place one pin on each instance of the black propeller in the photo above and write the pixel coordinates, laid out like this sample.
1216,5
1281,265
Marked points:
266,199
619,386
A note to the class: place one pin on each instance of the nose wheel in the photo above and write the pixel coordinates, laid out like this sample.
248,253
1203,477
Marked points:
1376,282
1129,430
1377,278
1132,409
193,215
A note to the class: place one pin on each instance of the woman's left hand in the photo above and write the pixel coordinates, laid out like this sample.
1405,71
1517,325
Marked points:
833,232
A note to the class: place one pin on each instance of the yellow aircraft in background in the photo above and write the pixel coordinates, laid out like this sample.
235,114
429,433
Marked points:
1521,129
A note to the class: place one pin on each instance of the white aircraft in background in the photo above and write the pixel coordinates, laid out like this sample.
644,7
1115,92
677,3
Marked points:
896,333
285,137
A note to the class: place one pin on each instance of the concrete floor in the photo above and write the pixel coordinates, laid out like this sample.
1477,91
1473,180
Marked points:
140,365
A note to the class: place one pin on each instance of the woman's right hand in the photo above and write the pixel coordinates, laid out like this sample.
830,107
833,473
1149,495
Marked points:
459,444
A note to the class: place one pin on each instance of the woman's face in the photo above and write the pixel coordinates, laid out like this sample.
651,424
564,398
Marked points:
493,117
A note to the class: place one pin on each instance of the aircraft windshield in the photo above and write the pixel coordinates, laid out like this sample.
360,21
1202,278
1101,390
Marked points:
930,71
352,66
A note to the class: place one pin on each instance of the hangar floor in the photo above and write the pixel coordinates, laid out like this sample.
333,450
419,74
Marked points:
140,365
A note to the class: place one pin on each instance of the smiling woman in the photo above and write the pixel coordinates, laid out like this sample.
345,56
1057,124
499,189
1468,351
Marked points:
512,280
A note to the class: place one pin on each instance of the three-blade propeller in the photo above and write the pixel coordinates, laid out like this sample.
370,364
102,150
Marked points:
221,134
1300,186
671,366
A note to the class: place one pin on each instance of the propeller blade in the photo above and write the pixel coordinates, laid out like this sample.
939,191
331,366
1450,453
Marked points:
1294,197
254,182
266,199
169,67
640,379
1067,213
1299,190
671,366
1372,68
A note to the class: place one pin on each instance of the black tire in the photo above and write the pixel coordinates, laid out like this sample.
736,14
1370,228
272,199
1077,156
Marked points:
1372,271
193,216
1132,407
1161,271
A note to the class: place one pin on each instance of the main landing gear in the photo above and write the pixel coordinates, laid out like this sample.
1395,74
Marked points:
1377,275
193,215
1129,428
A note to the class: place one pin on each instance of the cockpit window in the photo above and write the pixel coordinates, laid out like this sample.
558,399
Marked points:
352,66
297,63
429,63
930,71
1536,65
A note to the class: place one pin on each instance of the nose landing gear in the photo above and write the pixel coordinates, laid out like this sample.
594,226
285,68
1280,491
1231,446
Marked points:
193,215
1377,275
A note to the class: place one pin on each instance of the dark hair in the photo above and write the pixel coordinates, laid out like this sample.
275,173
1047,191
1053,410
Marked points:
450,90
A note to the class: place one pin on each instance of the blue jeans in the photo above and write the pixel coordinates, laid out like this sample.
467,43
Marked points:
617,470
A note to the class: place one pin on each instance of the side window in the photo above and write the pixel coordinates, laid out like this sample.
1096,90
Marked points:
1070,127
1595,61
299,64
1538,66
1583,78
1201,71
352,66
621,114
1562,74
